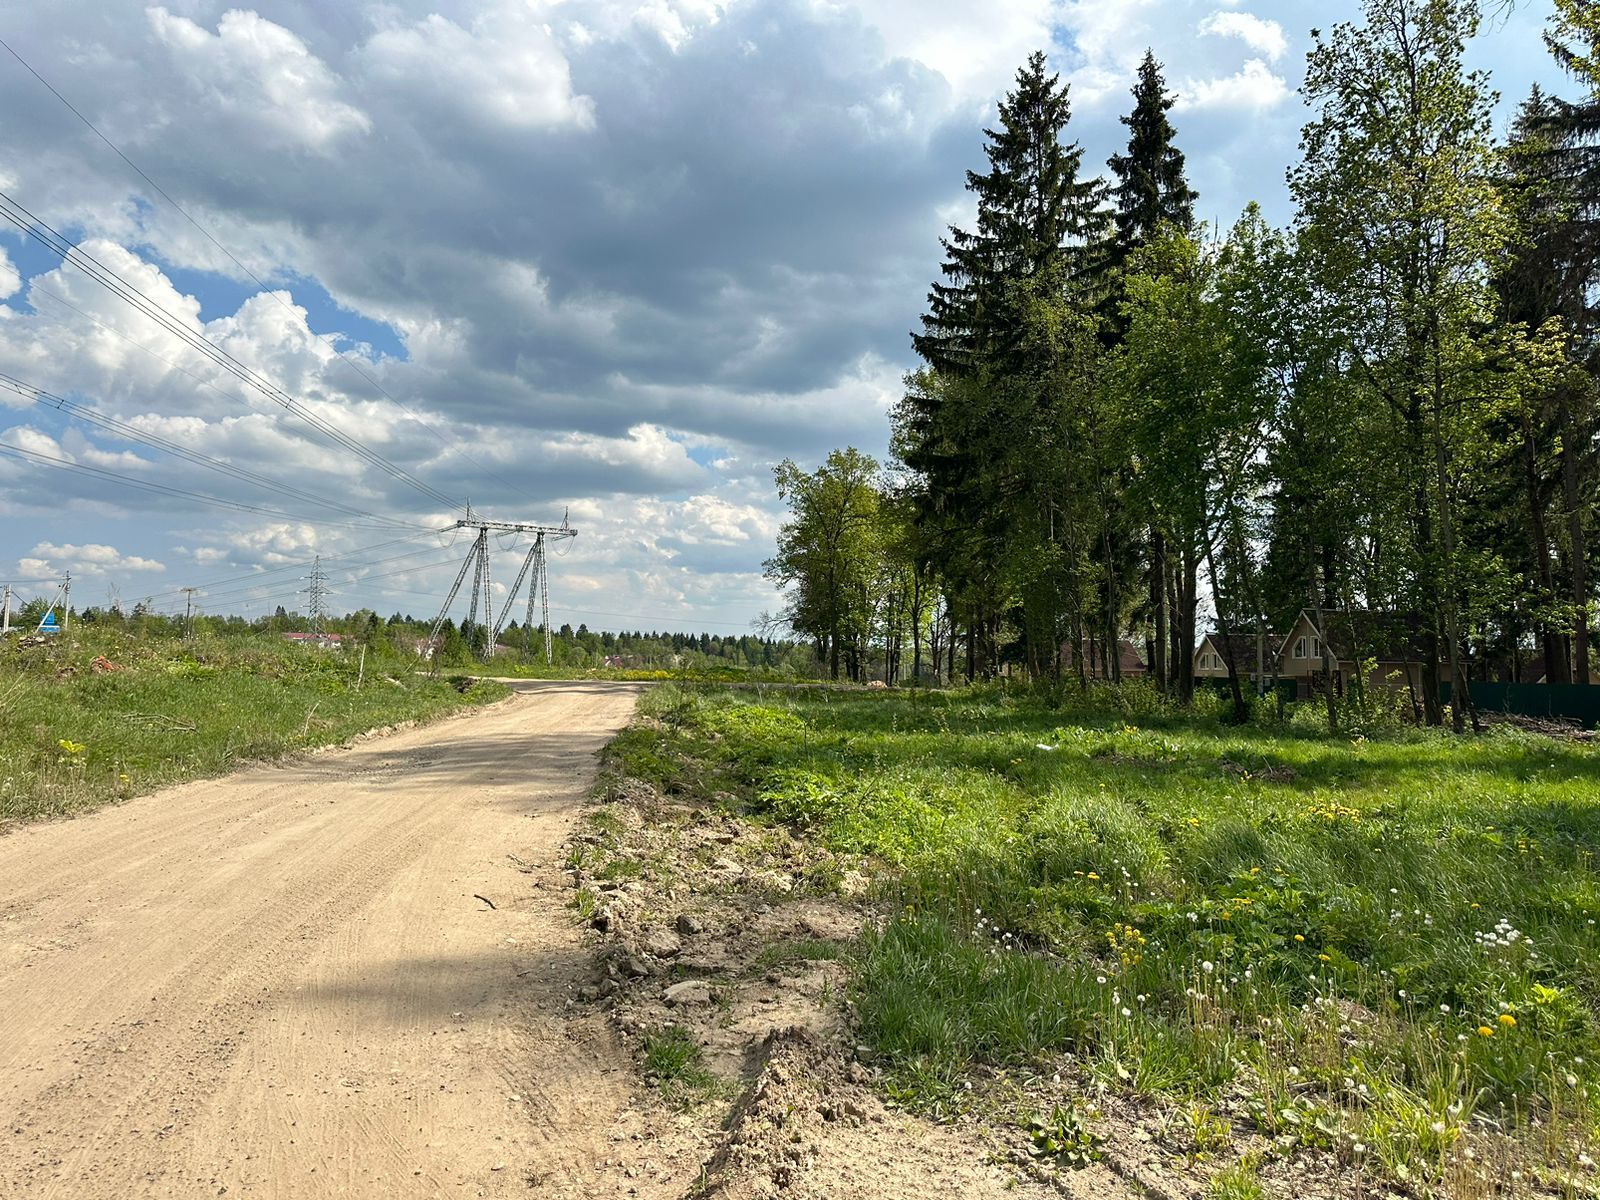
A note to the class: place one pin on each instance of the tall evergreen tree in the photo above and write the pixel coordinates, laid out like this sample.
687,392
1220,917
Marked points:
1565,277
976,426
1151,189
1032,211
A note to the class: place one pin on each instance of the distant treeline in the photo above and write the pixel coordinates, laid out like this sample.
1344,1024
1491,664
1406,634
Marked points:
403,633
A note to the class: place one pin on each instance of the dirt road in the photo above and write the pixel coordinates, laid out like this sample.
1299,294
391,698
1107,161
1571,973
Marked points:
280,983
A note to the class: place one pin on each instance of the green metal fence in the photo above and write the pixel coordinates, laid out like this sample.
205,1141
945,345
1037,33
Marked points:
1564,701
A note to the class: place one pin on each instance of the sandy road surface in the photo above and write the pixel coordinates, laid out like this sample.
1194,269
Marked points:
279,983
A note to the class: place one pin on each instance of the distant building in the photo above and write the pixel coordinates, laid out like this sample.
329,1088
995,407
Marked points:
1097,663
1322,649
1388,644
1244,650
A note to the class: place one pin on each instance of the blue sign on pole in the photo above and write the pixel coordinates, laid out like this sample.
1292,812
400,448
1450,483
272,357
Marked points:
49,624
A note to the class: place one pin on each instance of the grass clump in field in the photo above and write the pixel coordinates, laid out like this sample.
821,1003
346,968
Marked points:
74,735
1383,949
676,1064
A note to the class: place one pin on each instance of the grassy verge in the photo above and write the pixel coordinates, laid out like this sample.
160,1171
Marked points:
1382,949
74,736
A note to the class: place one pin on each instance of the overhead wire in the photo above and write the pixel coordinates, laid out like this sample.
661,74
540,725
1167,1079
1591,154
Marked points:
207,234
354,579
245,585
300,564
40,459
73,254
132,433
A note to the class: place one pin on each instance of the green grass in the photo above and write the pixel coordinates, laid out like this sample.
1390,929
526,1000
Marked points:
1241,1181
72,738
800,950
674,1062
1385,942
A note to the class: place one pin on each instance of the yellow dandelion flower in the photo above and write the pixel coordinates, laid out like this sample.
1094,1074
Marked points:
1325,957
1299,937
1507,1020
1485,1031
1092,875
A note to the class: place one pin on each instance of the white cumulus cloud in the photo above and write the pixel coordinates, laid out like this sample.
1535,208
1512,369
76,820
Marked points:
90,558
1261,35
262,75
1255,87
504,69
10,280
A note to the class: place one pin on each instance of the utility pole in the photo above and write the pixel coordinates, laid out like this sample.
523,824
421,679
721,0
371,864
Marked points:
188,611
5,612
66,604
316,594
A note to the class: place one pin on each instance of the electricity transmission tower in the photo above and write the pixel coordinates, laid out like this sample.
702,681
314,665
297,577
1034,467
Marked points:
316,594
532,571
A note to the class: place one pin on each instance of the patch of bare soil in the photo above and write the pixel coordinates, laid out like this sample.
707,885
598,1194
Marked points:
736,934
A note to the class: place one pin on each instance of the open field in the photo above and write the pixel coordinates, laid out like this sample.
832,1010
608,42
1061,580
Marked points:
73,736
1376,955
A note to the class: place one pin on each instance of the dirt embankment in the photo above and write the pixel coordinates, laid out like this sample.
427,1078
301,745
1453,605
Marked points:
730,937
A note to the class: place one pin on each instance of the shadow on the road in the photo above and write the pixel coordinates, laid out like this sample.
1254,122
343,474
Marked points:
453,989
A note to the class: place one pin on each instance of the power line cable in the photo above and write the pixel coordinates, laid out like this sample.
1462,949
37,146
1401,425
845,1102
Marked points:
35,457
127,432
327,591
213,593
207,234
234,580
73,254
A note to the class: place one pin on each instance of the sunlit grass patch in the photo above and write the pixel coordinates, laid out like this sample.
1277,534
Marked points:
674,1062
1387,944
74,736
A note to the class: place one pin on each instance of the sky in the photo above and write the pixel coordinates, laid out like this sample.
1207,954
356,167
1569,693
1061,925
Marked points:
606,261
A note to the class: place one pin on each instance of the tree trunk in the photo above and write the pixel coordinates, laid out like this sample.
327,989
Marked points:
1551,642
1158,608
916,625
1176,668
1241,711
1580,550
1449,593
1188,605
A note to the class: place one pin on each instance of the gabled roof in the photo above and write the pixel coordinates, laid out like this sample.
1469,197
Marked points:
1369,633
1241,649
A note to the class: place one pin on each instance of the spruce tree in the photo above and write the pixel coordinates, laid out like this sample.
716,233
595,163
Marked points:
1561,273
1033,212
1151,189
977,426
